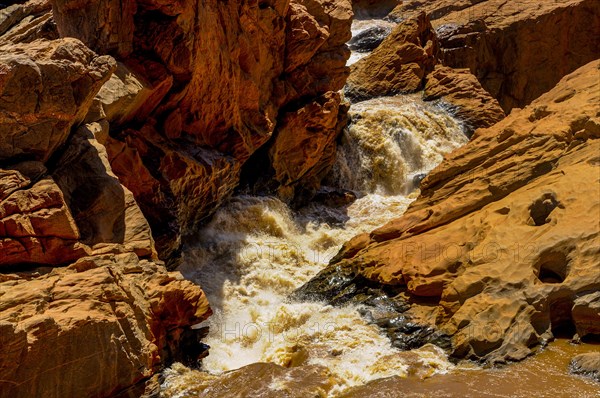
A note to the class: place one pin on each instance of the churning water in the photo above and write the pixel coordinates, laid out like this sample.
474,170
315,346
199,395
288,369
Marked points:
256,251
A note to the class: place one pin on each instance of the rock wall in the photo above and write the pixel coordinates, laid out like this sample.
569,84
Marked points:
199,88
123,124
517,49
408,61
500,250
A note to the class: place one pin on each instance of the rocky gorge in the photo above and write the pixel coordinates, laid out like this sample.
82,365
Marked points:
409,188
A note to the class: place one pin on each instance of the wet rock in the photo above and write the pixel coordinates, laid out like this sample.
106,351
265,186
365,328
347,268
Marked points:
398,65
303,150
587,365
494,280
369,39
334,197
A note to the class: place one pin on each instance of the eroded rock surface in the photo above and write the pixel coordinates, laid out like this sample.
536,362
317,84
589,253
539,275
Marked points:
62,77
97,326
501,247
517,49
463,93
86,307
220,87
587,365
398,65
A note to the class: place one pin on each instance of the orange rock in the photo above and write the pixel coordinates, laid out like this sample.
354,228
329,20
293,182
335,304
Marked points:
461,90
505,233
398,65
93,328
518,49
303,150
63,76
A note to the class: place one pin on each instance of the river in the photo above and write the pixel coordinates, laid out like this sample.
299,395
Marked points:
256,251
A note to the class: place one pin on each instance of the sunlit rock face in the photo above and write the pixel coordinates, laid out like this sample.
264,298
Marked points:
501,42
498,252
201,86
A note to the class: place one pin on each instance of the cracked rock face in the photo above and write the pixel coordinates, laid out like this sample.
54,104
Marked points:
517,49
124,124
219,86
497,252
86,307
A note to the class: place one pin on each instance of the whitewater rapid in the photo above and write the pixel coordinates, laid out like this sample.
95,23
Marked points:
256,251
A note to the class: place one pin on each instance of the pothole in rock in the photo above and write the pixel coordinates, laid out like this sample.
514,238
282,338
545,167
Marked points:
552,266
561,318
540,210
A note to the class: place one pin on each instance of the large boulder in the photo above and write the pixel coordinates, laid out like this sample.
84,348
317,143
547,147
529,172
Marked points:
467,100
587,365
502,244
62,77
303,149
92,328
398,65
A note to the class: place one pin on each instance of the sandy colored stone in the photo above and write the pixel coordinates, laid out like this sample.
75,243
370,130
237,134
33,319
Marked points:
459,89
63,76
505,234
92,328
303,151
517,49
106,212
24,23
587,365
398,65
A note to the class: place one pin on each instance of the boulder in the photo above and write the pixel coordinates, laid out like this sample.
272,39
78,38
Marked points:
63,76
92,328
303,150
587,365
502,244
398,65
461,91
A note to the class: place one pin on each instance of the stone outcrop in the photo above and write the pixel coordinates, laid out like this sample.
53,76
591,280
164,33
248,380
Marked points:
587,365
92,328
62,77
467,99
517,49
406,61
398,65
303,149
86,307
501,247
220,87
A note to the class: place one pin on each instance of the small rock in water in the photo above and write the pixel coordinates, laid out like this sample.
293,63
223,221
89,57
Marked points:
587,365
417,179
369,39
